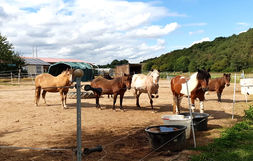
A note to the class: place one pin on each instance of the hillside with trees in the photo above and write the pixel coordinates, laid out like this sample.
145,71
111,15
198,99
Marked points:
224,54
9,60
114,63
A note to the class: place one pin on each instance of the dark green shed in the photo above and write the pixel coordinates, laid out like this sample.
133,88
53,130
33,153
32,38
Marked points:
57,68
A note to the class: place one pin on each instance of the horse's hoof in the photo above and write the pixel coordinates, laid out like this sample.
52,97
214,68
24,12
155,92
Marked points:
122,110
154,111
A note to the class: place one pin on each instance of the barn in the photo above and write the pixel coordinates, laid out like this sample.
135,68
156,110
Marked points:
127,69
57,68
35,66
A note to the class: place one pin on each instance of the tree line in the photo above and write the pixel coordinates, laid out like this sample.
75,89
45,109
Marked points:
9,59
224,54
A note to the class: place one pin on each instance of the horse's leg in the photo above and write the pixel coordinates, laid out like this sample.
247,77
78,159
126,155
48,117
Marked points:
179,99
121,101
201,102
193,103
62,99
44,96
151,101
114,100
37,95
65,98
138,93
174,104
97,102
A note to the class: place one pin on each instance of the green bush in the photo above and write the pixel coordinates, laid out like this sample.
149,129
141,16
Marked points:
249,113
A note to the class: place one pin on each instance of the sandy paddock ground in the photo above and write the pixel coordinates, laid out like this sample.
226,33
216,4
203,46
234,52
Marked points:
120,133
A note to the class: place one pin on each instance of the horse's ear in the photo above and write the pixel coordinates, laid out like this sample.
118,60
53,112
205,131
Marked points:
125,74
224,74
208,70
159,70
198,70
152,70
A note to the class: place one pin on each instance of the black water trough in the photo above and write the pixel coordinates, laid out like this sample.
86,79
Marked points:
166,137
199,120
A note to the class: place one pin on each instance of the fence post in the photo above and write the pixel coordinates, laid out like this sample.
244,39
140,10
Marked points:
11,79
19,71
78,73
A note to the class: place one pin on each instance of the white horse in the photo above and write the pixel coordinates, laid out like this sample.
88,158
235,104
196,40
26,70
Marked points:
146,84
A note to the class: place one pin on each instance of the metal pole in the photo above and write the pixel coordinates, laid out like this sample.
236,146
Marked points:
193,132
78,74
234,97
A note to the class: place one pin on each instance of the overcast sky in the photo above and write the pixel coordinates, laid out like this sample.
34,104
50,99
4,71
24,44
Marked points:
99,31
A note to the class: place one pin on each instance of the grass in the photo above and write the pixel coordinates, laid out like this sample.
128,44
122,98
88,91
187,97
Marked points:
235,143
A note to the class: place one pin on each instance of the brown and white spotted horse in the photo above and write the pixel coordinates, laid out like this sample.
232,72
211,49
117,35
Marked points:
218,84
197,86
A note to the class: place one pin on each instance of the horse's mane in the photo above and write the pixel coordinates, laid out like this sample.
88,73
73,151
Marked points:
202,74
155,71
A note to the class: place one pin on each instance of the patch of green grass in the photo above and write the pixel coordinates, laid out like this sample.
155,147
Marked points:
235,144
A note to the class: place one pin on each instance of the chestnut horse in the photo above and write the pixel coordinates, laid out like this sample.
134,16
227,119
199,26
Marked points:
146,84
218,84
197,86
49,83
116,86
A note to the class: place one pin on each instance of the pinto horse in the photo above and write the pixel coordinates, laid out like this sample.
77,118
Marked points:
146,84
197,86
49,83
218,84
116,86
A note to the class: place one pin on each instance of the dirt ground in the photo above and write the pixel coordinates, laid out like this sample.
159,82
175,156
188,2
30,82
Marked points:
120,133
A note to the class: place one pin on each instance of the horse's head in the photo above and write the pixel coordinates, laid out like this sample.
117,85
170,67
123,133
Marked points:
203,77
227,78
69,75
127,79
155,76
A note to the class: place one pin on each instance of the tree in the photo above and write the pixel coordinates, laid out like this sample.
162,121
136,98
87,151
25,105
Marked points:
8,58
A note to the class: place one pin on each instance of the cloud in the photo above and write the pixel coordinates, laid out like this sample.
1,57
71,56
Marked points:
155,31
200,41
244,24
196,24
196,32
98,31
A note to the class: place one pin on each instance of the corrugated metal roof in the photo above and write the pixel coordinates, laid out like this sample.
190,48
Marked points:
53,60
34,61
75,65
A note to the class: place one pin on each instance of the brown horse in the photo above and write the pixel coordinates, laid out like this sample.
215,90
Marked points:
116,86
107,76
197,86
49,83
218,84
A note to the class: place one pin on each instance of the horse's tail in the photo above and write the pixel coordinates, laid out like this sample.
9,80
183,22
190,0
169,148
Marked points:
96,90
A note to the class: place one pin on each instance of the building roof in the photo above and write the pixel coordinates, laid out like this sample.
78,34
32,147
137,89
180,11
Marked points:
54,60
34,61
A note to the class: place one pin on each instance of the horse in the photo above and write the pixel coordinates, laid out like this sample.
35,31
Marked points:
218,84
197,86
146,84
116,86
49,83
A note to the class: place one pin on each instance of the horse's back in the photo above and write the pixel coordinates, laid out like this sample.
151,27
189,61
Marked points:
139,81
44,80
215,84
176,84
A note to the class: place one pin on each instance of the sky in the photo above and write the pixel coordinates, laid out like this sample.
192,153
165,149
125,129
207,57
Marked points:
100,31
